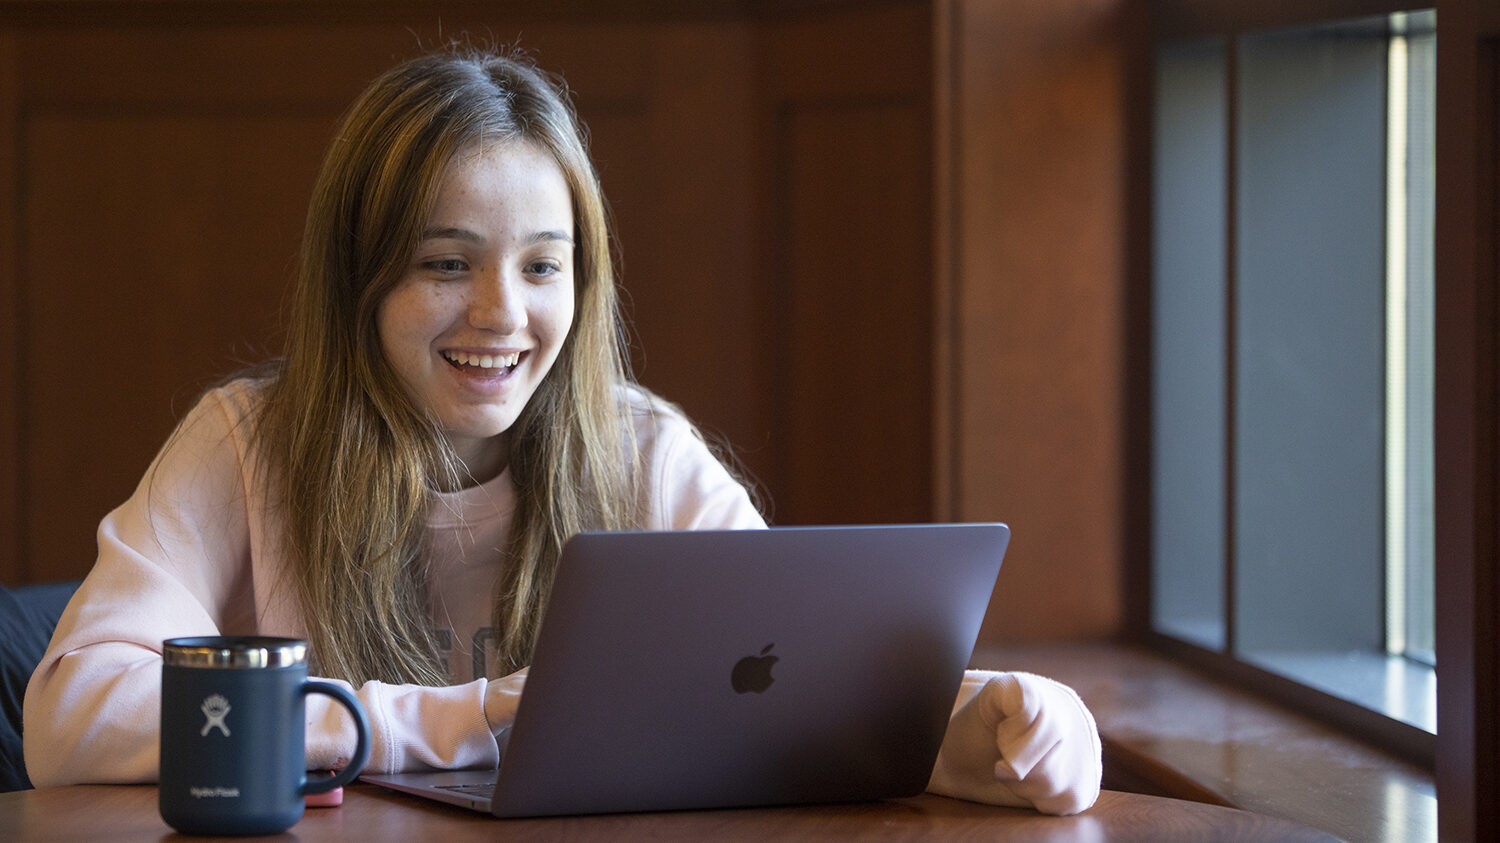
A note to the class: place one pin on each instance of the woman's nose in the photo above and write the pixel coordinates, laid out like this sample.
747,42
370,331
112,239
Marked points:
497,302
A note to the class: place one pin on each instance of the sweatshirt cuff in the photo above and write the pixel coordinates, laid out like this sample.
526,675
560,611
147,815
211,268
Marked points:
412,727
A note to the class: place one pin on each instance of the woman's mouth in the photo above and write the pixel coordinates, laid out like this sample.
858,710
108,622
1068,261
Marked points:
486,364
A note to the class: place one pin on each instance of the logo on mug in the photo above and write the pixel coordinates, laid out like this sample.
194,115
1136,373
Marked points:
215,709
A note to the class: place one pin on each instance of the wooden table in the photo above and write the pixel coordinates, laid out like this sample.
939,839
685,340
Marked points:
99,813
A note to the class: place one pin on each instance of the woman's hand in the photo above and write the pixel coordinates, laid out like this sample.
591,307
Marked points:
501,698
1021,740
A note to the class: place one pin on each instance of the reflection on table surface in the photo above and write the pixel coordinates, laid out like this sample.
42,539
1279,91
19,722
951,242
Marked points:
98,813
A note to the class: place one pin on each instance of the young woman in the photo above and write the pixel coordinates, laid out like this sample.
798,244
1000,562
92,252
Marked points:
451,407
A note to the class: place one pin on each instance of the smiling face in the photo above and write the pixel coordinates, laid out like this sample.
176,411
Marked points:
477,320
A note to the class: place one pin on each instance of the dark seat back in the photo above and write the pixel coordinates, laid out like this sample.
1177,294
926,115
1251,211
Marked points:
28,615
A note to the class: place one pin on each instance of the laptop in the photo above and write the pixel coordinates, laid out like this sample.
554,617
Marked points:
715,669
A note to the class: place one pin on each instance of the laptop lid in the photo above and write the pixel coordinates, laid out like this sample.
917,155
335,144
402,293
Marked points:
707,669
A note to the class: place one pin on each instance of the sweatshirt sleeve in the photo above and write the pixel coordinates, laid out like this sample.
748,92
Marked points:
173,561
176,560
1020,740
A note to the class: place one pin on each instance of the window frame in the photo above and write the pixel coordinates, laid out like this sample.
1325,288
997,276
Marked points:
1183,20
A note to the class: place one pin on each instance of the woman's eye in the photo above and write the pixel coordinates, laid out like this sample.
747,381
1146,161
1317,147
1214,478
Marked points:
543,268
445,265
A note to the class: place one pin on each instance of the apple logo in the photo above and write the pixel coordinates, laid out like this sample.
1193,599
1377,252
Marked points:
752,674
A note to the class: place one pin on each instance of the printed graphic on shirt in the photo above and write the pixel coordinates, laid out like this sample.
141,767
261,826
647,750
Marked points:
477,657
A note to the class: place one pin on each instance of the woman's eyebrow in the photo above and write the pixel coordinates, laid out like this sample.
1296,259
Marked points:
545,236
451,233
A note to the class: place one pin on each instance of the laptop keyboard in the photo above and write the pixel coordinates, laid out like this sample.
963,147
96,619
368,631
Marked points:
481,789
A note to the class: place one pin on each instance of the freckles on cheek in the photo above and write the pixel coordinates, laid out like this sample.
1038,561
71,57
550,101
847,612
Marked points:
408,315
403,342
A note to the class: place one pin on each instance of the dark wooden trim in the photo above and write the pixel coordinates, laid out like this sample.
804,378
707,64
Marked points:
779,258
1231,340
1466,409
1137,401
12,491
118,13
947,338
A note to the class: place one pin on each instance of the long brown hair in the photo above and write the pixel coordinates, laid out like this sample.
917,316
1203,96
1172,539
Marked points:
354,458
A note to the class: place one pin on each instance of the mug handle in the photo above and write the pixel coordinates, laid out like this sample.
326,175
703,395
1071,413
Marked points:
323,784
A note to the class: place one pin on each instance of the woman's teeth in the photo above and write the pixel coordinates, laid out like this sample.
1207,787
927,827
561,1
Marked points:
483,361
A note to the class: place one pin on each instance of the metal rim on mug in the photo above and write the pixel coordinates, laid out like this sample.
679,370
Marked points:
234,651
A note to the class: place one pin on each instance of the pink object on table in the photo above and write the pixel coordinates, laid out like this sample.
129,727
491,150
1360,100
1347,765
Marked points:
331,799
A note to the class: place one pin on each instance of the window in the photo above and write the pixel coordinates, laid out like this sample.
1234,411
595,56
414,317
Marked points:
1292,356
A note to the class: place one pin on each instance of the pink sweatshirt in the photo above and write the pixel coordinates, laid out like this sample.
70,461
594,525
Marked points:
197,550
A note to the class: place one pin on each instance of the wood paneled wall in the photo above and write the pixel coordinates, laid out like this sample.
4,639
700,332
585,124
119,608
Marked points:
1033,225
874,246
849,215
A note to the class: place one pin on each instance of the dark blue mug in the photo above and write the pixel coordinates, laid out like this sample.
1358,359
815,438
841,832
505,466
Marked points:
233,734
